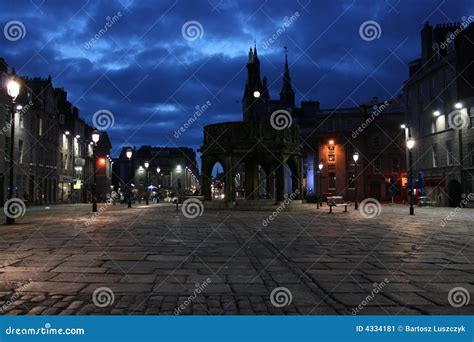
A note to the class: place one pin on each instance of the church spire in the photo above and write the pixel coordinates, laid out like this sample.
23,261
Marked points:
287,95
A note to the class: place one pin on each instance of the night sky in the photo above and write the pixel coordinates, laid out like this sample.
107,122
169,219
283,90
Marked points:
151,73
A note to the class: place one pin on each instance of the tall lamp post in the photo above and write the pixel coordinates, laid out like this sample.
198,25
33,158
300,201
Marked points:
129,156
319,197
13,88
356,158
147,164
410,145
95,140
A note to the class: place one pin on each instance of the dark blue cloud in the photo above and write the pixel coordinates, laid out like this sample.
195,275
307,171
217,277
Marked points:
142,69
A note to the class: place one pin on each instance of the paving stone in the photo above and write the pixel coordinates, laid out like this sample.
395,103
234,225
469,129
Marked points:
330,268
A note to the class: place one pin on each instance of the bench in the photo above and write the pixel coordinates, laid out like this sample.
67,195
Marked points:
337,201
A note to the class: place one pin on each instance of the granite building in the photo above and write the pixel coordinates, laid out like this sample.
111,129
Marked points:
440,110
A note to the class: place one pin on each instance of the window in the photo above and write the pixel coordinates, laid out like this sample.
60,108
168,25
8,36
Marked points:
471,153
332,181
20,151
377,165
351,180
434,154
331,154
471,117
40,127
376,141
331,125
449,150
395,165
21,120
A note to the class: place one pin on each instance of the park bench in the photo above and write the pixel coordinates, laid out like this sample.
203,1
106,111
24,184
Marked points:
337,201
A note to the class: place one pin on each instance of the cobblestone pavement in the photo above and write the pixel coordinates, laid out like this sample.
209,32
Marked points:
154,260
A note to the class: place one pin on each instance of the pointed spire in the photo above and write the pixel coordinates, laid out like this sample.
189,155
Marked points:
250,55
287,95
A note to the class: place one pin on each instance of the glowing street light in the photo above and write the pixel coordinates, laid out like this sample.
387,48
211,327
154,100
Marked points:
356,158
95,139
147,164
410,145
256,94
319,197
13,89
129,154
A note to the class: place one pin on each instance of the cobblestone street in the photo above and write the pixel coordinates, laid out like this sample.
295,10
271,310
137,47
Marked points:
153,259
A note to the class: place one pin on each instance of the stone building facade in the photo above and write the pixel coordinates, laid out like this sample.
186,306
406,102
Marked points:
440,110
52,148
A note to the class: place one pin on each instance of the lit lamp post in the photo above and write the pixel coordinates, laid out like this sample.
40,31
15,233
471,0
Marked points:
147,164
356,158
129,156
95,140
319,197
13,88
410,145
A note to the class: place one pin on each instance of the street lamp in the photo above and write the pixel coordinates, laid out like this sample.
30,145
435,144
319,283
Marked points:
356,158
256,94
129,153
318,198
410,145
147,164
13,88
95,140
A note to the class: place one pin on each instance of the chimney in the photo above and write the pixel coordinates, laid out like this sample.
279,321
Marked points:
426,42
